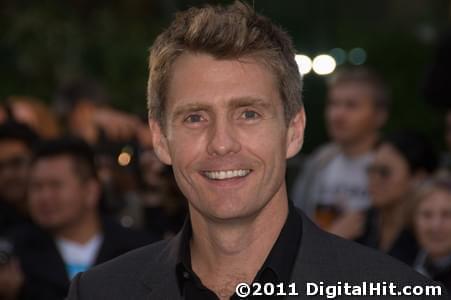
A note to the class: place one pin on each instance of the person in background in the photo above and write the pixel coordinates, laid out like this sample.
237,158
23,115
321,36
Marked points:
332,188
401,162
16,146
116,136
432,223
16,143
83,106
164,205
33,112
70,235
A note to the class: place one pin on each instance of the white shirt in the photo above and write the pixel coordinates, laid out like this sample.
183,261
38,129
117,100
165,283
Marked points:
79,257
343,183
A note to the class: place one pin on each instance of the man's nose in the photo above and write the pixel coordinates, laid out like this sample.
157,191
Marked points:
223,138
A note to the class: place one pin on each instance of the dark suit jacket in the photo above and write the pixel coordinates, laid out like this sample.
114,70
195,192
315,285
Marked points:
149,272
45,274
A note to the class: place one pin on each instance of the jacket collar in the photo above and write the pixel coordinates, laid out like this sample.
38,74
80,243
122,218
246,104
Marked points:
160,277
313,259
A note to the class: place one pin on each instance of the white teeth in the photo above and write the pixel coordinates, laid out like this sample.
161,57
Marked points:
220,175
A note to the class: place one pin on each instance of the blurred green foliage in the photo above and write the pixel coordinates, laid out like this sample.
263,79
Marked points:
45,43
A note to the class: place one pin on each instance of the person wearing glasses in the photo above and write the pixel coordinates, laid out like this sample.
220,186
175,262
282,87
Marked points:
402,161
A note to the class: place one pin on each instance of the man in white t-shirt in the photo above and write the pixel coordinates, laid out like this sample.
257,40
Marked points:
70,235
332,187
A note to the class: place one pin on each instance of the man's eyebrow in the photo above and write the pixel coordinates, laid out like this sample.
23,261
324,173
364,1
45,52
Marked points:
248,101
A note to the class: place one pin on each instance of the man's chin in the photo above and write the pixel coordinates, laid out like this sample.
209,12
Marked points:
233,211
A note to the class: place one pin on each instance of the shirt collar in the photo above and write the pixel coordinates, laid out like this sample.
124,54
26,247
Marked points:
279,262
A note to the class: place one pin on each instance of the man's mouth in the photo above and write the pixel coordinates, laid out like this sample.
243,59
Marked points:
226,174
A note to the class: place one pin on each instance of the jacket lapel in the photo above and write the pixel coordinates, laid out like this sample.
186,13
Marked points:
160,278
315,257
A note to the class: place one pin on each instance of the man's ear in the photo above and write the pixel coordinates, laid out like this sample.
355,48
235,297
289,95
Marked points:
295,134
160,142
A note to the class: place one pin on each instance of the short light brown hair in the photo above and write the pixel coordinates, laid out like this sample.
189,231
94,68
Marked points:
379,90
230,32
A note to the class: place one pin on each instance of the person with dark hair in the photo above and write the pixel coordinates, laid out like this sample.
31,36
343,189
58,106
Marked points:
402,161
332,187
226,111
16,146
32,112
83,106
70,235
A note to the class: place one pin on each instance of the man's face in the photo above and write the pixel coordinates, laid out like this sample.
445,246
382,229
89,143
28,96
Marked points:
14,171
57,196
351,114
225,135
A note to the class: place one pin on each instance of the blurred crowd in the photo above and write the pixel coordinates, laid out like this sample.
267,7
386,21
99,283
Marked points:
80,184
391,192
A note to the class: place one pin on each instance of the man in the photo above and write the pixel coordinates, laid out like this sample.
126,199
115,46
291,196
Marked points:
225,112
333,186
16,142
70,235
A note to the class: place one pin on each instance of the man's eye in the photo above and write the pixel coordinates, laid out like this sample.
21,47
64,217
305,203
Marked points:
249,115
193,119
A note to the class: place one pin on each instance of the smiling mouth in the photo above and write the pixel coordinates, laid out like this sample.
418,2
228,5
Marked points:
227,174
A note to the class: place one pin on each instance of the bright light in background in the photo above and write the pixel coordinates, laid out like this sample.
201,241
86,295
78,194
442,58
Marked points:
125,157
324,64
339,55
304,63
357,56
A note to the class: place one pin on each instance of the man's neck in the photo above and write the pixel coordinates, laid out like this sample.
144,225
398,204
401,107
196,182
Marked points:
82,232
225,254
360,147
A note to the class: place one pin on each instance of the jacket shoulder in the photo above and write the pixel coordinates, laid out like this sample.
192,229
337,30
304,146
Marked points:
124,276
327,258
132,260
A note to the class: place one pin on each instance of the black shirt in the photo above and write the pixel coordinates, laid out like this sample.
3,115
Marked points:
276,269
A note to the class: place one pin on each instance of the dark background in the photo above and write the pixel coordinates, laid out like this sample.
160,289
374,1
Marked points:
45,43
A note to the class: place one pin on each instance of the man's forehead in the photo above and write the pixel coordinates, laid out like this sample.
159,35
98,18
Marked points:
52,163
351,91
202,80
